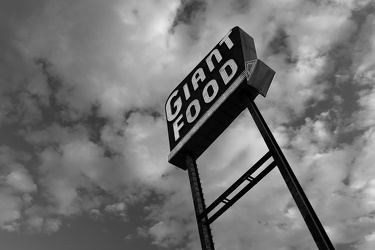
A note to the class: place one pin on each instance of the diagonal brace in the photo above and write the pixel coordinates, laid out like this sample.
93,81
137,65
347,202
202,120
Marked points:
242,192
230,190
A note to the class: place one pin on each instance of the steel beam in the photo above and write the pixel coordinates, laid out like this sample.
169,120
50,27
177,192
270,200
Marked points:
311,219
199,204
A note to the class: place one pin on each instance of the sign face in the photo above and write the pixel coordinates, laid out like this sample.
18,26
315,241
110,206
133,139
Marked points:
209,99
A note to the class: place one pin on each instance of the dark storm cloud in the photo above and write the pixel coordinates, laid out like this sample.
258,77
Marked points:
279,44
188,12
53,81
357,40
241,6
342,61
145,112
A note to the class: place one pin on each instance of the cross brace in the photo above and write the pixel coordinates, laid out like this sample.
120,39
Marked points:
245,177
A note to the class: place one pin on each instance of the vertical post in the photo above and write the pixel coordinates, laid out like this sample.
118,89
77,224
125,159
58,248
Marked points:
311,219
199,205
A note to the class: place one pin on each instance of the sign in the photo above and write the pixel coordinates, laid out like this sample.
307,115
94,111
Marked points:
209,99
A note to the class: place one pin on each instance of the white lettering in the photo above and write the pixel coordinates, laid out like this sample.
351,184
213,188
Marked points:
227,40
215,89
177,127
223,71
218,58
177,105
197,109
198,76
186,91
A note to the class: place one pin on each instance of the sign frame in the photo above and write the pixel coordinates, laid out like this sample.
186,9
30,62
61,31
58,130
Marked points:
208,100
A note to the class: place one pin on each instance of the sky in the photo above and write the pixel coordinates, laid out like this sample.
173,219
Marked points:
83,135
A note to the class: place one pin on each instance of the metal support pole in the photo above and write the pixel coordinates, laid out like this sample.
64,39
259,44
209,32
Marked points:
312,221
199,205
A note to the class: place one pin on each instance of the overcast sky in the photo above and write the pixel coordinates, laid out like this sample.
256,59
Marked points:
84,144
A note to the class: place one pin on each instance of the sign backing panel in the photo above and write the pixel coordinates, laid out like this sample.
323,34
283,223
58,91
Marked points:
208,100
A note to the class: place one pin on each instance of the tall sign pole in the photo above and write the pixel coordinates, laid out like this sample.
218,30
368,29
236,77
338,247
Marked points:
199,204
311,219
204,104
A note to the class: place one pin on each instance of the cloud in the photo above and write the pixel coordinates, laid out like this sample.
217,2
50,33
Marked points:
41,223
115,208
166,234
52,225
10,211
88,59
85,86
76,168
17,187
20,180
189,13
